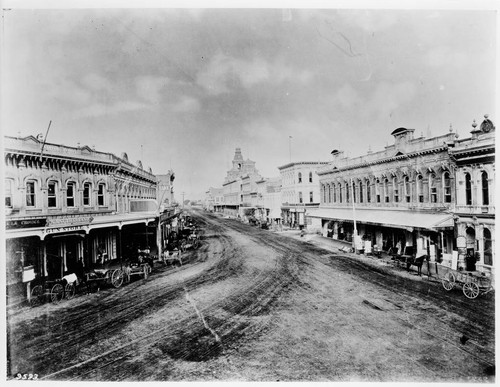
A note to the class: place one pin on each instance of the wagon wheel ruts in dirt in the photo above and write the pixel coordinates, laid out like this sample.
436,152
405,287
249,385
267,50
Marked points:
117,277
448,281
69,291
37,296
471,290
56,293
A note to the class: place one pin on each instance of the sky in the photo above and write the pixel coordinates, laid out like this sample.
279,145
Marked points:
182,88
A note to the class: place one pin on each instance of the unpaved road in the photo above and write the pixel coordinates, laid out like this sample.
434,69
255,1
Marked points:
253,305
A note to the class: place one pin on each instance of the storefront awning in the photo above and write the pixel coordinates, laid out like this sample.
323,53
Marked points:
118,220
387,218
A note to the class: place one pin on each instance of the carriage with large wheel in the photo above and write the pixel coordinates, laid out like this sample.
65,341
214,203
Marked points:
473,283
56,290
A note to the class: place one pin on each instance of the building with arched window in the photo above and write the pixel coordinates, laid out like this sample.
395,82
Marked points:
397,198
65,204
475,193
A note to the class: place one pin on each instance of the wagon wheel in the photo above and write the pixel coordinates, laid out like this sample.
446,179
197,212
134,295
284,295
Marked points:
471,290
117,278
69,291
37,296
448,281
56,293
146,271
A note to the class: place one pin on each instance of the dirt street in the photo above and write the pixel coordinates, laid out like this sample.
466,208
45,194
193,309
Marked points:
254,305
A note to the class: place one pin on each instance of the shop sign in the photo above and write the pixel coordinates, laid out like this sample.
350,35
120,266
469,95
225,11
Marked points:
25,223
63,229
28,273
68,220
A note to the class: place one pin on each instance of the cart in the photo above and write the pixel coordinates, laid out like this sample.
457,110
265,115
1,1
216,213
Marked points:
45,291
138,267
473,283
96,277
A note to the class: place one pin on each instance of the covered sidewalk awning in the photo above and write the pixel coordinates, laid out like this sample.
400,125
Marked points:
387,217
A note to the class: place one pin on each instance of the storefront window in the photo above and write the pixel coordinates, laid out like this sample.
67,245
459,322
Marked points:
488,253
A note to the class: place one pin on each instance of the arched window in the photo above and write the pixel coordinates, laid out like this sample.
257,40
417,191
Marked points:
468,190
353,192
484,188
311,197
488,252
347,192
70,194
300,177
100,194
432,188
30,194
323,191
340,192
368,192
334,189
420,188
8,193
447,187
361,192
386,190
407,189
395,190
329,193
52,194
310,177
87,187
301,200
377,190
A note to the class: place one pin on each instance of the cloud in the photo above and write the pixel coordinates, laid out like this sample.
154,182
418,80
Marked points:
96,82
186,104
99,109
149,88
224,73
444,56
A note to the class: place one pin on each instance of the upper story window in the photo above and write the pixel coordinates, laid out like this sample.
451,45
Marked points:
70,194
310,177
432,188
8,193
420,188
347,192
485,188
334,189
368,192
377,190
447,187
52,194
86,194
300,177
361,192
311,197
395,186
100,194
407,189
30,194
329,187
386,190
353,192
301,200
468,190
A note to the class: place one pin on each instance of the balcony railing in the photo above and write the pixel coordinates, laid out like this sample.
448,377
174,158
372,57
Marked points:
475,210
